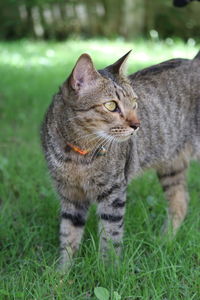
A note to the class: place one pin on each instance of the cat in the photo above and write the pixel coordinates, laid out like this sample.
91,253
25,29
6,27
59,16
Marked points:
103,128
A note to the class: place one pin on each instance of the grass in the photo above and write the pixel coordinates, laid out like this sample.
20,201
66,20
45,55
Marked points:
152,268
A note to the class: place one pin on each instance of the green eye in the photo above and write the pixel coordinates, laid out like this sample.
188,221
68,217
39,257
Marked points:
111,105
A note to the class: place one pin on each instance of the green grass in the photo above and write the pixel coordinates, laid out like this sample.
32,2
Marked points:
152,268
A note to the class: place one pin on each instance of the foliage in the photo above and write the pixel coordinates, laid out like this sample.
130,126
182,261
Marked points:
101,293
152,267
60,19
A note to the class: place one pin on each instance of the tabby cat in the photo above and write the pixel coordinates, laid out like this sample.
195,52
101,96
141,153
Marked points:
93,146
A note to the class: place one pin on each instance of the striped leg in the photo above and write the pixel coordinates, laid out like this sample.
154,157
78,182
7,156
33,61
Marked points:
174,186
111,211
73,219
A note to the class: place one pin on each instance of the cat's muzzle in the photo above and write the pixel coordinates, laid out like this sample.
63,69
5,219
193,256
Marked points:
135,130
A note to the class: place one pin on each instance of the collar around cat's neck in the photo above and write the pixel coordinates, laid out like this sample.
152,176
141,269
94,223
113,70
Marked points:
77,149
100,151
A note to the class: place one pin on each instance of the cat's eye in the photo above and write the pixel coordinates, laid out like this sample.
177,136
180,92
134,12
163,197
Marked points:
135,105
111,105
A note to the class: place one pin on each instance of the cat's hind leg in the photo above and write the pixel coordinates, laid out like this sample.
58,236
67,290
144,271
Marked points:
173,181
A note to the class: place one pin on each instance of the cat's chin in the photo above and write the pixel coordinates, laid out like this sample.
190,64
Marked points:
121,139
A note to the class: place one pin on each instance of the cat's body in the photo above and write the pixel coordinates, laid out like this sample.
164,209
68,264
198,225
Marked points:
169,111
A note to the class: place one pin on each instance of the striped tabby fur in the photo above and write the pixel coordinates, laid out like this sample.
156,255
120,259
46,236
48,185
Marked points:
169,109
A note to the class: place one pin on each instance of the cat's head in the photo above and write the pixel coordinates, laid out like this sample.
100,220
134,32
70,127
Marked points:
100,103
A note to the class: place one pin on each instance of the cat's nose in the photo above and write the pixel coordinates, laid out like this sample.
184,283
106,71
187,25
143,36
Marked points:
135,125
132,120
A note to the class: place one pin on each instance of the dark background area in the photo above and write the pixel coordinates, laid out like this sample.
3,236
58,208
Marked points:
50,19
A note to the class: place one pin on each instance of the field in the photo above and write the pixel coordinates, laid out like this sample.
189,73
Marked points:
153,267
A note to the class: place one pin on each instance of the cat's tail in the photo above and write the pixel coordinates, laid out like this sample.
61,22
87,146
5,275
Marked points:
197,56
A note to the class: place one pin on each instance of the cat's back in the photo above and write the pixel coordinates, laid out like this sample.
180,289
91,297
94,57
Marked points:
160,75
164,89
173,74
168,108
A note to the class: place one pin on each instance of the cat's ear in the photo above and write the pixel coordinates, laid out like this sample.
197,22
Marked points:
83,73
119,66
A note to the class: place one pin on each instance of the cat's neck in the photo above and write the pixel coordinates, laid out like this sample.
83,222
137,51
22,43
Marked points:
77,141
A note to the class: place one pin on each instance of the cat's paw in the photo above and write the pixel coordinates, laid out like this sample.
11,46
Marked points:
64,266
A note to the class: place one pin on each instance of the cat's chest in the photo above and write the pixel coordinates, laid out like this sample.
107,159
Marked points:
88,180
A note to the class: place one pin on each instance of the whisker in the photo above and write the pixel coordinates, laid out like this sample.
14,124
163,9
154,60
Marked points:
93,139
105,142
83,137
99,144
110,145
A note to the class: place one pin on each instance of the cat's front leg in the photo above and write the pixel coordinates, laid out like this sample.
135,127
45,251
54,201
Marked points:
111,209
73,219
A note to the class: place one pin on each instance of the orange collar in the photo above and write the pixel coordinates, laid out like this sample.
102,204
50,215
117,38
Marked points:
78,150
